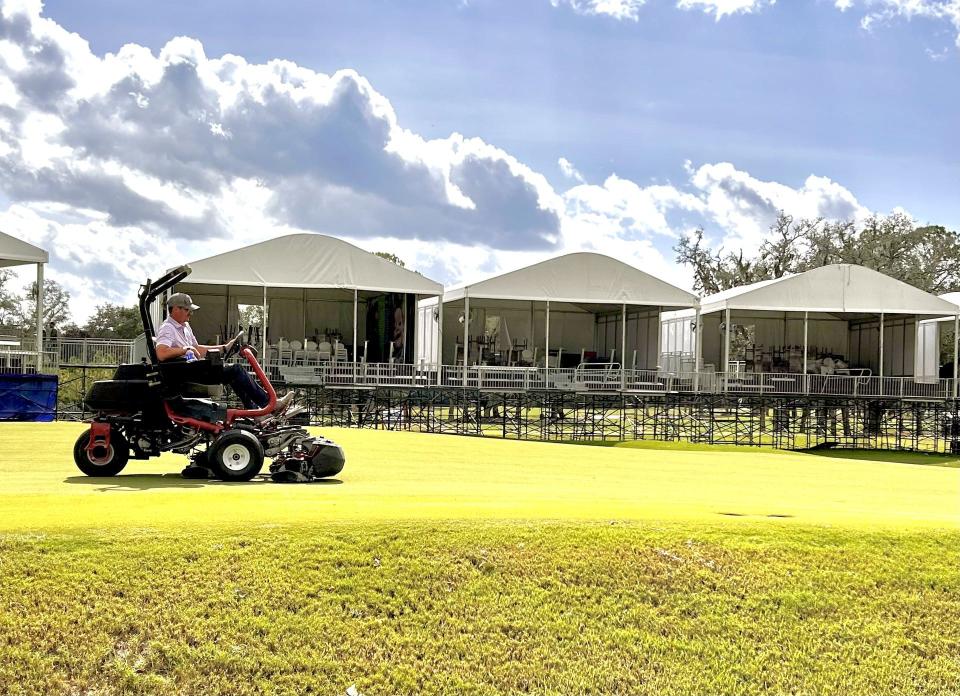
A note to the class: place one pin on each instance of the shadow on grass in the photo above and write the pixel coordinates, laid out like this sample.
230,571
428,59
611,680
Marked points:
949,461
895,456
143,482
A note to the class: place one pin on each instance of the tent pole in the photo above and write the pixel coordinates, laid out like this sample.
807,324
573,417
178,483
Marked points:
698,354
623,350
355,299
726,349
806,381
227,331
659,356
263,338
303,313
956,340
546,342
39,318
466,333
440,341
881,352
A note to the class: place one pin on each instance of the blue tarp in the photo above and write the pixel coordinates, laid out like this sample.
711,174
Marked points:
28,397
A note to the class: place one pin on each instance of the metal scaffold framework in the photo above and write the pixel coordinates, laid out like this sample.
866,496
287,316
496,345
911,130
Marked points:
785,422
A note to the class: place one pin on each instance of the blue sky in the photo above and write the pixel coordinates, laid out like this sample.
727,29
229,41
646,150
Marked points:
704,121
796,89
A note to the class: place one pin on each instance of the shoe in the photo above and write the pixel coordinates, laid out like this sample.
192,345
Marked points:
282,403
294,410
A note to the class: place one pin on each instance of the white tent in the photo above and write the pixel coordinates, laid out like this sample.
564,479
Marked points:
305,283
583,302
927,354
842,308
16,252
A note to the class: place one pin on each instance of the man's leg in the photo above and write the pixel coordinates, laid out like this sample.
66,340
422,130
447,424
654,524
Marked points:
251,394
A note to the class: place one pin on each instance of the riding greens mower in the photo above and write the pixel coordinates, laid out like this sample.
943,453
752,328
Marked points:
153,407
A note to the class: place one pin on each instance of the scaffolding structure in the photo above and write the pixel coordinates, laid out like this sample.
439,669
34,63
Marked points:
784,422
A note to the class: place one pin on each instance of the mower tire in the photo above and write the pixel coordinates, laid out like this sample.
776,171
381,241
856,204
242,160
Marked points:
109,463
236,455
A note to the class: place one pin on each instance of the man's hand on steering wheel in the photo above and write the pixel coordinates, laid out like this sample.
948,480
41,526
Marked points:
233,346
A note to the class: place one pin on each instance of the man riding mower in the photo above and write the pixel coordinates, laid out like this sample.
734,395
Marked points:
158,406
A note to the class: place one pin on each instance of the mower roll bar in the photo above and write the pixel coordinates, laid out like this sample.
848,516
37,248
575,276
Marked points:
149,291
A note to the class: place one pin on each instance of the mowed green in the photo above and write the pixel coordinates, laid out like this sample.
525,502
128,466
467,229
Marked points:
441,564
405,476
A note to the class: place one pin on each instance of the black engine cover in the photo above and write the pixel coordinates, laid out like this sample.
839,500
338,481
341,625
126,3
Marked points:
120,395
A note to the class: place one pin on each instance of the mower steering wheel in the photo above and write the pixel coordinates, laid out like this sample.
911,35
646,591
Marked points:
235,347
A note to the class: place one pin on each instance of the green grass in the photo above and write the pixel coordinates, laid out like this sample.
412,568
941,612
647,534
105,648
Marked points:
460,565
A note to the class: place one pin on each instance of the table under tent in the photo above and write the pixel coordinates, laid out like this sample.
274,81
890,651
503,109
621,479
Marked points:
309,301
25,392
579,321
840,329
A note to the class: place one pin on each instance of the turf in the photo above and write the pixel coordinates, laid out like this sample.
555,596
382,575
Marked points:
444,564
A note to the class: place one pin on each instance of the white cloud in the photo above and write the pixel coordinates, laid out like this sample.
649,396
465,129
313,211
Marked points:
883,11
569,171
721,8
618,9
745,206
875,11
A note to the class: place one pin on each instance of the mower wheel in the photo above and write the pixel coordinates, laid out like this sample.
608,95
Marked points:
236,455
99,463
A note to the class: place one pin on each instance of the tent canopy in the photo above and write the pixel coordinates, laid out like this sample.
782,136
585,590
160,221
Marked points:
16,252
309,261
839,288
579,278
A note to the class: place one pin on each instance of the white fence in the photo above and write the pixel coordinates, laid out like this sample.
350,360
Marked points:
81,351
586,377
608,377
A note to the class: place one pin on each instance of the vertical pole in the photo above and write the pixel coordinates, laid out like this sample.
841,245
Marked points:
466,334
356,298
726,349
303,312
806,380
263,337
659,356
956,340
533,334
227,330
623,350
39,318
546,342
881,353
698,357
440,341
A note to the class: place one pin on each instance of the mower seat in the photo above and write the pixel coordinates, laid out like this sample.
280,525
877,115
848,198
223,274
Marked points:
199,378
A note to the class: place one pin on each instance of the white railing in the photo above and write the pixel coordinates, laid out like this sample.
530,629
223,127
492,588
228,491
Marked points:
606,377
82,351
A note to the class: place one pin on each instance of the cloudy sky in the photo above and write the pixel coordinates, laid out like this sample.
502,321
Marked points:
467,136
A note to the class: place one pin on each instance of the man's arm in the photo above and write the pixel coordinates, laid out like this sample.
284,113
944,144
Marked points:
169,353
223,347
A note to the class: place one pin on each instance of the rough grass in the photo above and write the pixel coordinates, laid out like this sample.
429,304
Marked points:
454,565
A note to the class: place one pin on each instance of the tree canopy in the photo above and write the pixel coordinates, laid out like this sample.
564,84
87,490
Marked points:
56,306
927,257
114,321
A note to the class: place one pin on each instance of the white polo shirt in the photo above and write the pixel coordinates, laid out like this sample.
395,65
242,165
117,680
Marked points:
173,334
